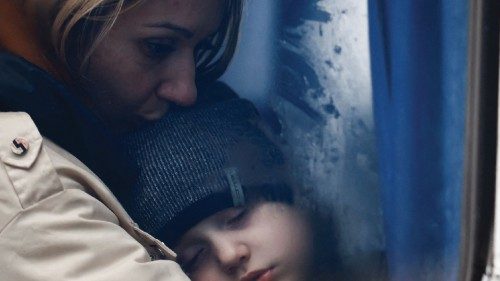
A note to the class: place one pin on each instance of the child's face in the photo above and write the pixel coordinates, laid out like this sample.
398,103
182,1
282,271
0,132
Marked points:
268,241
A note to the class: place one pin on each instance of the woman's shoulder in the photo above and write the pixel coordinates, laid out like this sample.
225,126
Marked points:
23,84
51,199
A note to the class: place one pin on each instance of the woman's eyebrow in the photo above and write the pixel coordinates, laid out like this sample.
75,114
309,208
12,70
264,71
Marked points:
168,25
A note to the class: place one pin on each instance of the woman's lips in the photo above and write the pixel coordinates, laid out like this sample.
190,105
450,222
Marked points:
259,275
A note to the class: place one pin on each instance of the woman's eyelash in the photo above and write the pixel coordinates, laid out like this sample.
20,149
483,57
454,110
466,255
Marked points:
157,48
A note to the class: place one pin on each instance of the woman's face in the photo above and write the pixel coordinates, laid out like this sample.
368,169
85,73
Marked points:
146,61
266,242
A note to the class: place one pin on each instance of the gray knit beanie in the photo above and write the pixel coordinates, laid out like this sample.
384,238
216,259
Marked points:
198,161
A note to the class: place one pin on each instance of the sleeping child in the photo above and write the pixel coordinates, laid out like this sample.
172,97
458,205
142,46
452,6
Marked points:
216,189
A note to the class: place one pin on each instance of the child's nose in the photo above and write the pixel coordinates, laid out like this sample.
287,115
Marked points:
232,256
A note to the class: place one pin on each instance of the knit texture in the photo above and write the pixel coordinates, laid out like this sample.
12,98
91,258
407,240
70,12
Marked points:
183,161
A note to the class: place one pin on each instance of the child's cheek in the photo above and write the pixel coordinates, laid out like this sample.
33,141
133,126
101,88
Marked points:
208,272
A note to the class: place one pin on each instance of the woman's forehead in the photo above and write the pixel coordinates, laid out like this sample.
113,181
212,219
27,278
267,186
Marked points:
195,15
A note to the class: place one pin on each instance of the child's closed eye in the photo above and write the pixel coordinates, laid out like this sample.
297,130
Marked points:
236,218
191,260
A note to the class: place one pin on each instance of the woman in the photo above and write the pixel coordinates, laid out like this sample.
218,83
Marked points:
75,72
214,186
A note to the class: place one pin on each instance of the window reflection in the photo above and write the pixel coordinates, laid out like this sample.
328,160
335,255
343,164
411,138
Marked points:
320,105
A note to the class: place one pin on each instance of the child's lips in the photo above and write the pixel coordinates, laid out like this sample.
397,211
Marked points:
259,275
267,276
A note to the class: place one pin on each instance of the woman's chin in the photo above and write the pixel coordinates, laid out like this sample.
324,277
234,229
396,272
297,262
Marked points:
152,115
122,123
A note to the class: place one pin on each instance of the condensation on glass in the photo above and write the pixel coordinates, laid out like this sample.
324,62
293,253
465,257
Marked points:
309,75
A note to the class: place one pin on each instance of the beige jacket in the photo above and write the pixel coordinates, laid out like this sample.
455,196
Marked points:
58,221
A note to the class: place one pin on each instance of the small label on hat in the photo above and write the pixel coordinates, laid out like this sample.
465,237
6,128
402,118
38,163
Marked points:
236,188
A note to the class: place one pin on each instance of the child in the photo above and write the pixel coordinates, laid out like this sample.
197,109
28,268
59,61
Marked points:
212,185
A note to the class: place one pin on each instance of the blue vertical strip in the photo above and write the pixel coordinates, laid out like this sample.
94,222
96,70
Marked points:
418,51
454,53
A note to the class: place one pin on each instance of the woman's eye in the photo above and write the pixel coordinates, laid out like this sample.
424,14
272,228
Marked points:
158,48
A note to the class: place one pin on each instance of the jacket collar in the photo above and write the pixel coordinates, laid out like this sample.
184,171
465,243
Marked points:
20,35
61,117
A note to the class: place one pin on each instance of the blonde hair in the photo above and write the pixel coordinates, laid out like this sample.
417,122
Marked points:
78,26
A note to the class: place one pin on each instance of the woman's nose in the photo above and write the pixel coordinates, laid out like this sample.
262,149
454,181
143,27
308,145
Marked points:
232,255
178,86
